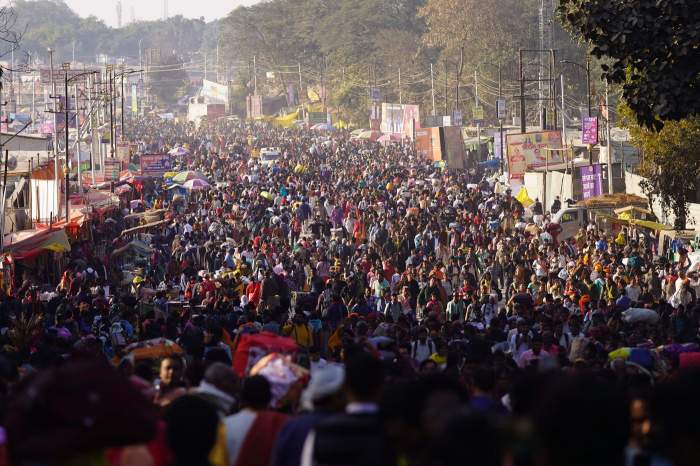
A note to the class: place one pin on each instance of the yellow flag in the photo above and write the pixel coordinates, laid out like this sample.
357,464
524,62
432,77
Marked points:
524,198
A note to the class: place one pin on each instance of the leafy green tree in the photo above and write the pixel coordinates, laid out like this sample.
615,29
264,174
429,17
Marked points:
169,83
670,162
654,49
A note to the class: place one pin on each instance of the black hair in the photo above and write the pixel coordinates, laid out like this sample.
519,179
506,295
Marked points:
256,392
192,424
364,376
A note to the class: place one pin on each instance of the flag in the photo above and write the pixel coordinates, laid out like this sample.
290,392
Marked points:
524,198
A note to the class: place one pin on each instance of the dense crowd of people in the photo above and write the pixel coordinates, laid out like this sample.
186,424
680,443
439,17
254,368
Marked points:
435,321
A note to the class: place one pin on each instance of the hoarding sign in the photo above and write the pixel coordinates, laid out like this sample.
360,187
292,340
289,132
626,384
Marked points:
215,91
478,113
526,151
501,109
155,164
591,181
589,129
112,167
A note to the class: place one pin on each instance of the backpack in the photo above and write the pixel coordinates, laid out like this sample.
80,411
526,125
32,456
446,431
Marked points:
117,335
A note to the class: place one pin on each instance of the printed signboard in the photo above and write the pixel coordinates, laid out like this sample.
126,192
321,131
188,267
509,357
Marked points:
155,164
526,151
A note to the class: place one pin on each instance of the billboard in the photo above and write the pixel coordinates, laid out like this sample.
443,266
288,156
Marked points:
155,164
526,151
428,144
134,100
591,181
454,146
400,119
589,130
254,106
215,91
316,118
112,167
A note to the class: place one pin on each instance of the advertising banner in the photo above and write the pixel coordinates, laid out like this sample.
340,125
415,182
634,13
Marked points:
591,181
497,145
454,146
254,107
526,151
134,100
589,130
317,118
428,144
123,152
392,118
112,167
411,120
155,164
215,91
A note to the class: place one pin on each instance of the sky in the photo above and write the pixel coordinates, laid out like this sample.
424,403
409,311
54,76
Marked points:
153,9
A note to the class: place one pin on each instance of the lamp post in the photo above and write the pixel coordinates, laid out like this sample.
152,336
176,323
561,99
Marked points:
121,75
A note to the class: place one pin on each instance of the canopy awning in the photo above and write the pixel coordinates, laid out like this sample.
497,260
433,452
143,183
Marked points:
145,227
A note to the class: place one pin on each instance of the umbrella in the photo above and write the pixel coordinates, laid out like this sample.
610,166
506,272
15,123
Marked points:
153,349
188,175
267,195
179,152
322,127
196,185
369,135
388,138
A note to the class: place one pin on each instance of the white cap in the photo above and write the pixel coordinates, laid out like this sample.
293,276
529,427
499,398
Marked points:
324,382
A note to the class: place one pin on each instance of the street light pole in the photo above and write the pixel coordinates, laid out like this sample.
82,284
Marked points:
66,68
122,97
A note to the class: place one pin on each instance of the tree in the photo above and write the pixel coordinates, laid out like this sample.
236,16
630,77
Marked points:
169,80
654,49
670,163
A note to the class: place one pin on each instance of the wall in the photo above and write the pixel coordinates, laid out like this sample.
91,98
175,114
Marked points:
632,183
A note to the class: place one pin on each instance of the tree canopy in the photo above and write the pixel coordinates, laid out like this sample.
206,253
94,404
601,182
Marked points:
654,49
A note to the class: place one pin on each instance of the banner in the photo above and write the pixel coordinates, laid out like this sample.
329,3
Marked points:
400,119
591,181
254,107
589,130
411,120
123,152
215,91
317,118
392,118
112,167
497,145
454,146
155,164
134,100
428,144
526,151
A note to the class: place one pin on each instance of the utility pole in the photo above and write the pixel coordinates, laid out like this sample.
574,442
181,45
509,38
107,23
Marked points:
607,137
476,99
110,75
55,137
300,90
563,113
432,87
217,60
66,68
500,120
445,87
400,96
255,77
522,91
77,137
205,65
123,138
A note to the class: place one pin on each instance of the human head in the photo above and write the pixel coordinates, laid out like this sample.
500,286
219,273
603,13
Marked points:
256,393
192,423
171,370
